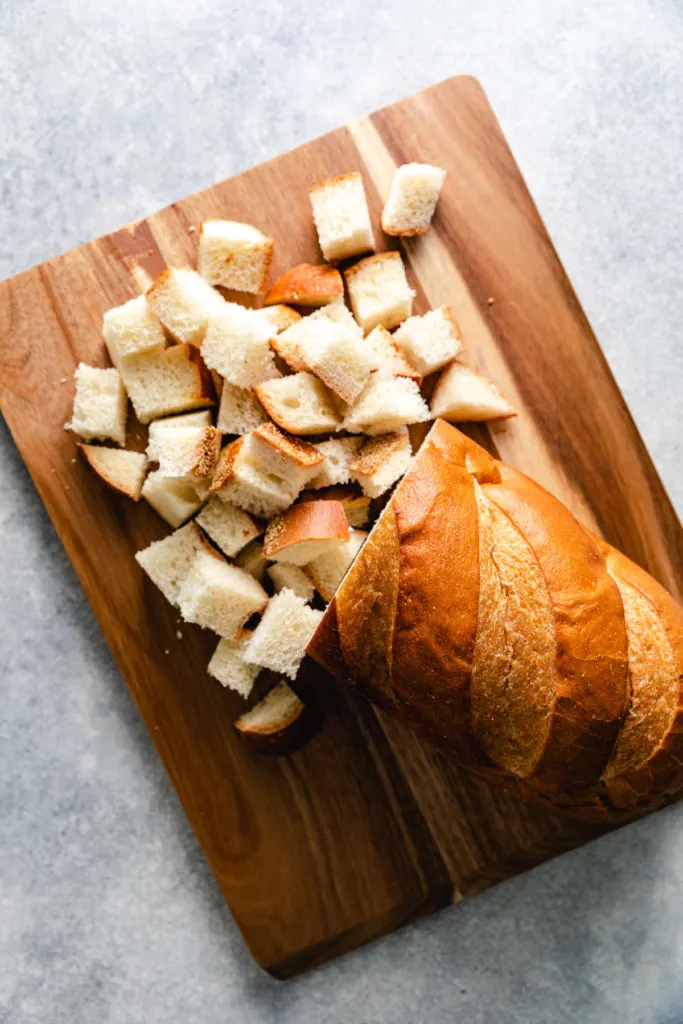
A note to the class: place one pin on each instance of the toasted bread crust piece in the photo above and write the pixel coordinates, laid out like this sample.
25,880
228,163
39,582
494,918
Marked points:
306,285
310,521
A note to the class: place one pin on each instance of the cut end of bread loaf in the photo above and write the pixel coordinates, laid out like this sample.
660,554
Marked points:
307,285
122,470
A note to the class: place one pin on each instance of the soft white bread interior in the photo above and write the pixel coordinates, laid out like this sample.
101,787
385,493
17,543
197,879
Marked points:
121,470
240,410
381,461
174,498
300,404
292,577
341,314
184,303
242,478
430,341
219,596
305,531
379,291
282,454
132,330
279,641
168,561
342,218
339,452
229,527
185,451
235,255
280,317
390,360
228,666
169,381
464,395
100,405
201,418
335,355
327,571
252,561
412,199
237,345
307,285
386,405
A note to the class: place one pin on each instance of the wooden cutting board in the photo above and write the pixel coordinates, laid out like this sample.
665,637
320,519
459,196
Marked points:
367,828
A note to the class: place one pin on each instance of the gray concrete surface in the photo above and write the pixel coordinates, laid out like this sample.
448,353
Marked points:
109,110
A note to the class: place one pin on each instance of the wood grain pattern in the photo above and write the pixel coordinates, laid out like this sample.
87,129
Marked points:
367,827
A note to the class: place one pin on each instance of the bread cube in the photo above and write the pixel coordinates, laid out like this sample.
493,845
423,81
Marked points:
431,341
381,461
228,666
342,218
329,569
237,345
279,317
281,637
229,527
340,313
462,395
337,357
185,451
219,596
307,285
263,472
100,405
240,410
390,360
168,561
235,255
300,404
412,199
132,330
252,561
386,405
339,452
123,471
305,531
184,303
379,291
279,723
170,381
292,578
201,418
175,499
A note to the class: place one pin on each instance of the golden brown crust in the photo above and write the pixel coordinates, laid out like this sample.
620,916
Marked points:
376,257
204,389
207,452
306,285
401,632
332,182
375,453
314,520
293,448
298,723
592,665
281,317
225,466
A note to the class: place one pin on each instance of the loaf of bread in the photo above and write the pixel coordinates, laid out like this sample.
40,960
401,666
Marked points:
487,617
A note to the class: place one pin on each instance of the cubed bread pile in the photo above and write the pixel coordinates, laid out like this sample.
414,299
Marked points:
274,431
